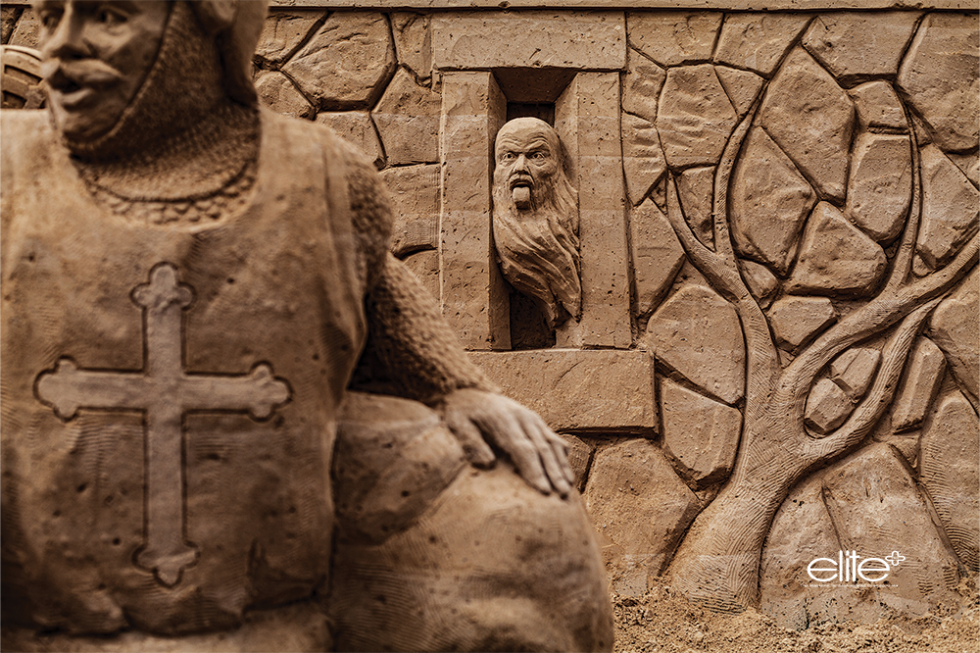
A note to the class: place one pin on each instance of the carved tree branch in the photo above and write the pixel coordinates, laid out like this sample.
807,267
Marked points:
879,314
720,267
723,238
717,564
762,368
942,280
859,425
902,263
711,264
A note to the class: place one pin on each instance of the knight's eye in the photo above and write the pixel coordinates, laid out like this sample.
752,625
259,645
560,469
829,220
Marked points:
507,156
539,156
50,19
110,17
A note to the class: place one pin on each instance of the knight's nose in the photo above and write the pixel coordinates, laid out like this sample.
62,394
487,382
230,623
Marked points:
66,41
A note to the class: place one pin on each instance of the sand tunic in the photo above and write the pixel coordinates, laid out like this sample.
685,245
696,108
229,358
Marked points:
124,509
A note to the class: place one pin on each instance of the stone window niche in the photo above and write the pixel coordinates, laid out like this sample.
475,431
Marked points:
541,110
530,93
476,103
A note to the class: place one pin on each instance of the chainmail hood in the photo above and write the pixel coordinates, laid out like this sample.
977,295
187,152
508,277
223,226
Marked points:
191,131
201,61
237,25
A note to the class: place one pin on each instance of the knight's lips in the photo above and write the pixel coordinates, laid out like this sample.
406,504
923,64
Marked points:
74,96
520,181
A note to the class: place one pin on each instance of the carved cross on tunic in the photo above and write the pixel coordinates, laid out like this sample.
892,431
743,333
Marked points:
164,393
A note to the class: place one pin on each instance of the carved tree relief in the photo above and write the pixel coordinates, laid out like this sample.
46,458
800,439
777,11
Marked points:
845,190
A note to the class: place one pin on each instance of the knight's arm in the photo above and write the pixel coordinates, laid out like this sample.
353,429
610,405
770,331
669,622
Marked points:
413,342
412,352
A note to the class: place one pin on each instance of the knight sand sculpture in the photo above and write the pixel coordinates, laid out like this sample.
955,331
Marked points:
193,289
732,261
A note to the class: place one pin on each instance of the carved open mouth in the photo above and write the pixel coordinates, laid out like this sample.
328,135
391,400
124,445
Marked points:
520,192
521,181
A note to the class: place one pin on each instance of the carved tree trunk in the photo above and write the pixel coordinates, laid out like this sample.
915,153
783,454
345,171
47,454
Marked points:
717,565
718,562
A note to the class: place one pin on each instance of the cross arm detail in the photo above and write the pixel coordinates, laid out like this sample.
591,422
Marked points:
259,392
66,389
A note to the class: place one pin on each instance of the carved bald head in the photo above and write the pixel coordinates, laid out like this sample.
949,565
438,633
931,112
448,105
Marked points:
535,218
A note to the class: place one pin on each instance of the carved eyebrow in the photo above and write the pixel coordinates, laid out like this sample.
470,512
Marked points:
508,143
538,143
43,5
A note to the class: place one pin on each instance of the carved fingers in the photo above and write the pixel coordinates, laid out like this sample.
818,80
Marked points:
508,433
482,419
474,446
552,450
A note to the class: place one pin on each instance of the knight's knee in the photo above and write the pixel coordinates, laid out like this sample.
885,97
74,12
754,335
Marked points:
492,564
393,457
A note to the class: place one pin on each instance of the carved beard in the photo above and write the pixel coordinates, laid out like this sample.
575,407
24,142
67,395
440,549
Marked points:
538,247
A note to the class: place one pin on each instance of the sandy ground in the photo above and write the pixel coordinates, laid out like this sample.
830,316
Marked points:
662,622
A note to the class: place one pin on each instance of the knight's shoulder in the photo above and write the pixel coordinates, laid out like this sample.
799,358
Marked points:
22,132
24,128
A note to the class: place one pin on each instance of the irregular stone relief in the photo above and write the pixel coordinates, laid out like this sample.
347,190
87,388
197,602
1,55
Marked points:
822,233
803,210
761,344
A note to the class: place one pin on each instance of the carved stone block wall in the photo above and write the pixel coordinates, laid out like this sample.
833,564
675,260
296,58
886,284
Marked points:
778,350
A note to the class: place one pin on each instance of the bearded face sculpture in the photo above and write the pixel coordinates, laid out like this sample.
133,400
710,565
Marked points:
535,219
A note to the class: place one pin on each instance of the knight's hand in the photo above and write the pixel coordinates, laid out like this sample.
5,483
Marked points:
480,419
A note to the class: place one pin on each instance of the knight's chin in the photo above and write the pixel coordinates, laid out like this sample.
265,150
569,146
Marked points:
81,124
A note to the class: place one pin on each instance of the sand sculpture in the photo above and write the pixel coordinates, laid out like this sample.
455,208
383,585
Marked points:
773,356
777,223
189,284
535,218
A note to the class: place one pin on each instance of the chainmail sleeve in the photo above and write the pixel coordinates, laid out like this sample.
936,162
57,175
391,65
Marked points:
370,213
414,346
411,351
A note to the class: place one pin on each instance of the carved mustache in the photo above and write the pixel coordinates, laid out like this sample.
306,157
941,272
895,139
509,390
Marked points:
70,75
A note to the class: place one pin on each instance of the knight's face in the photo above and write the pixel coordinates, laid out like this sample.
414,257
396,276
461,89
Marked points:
526,160
95,58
